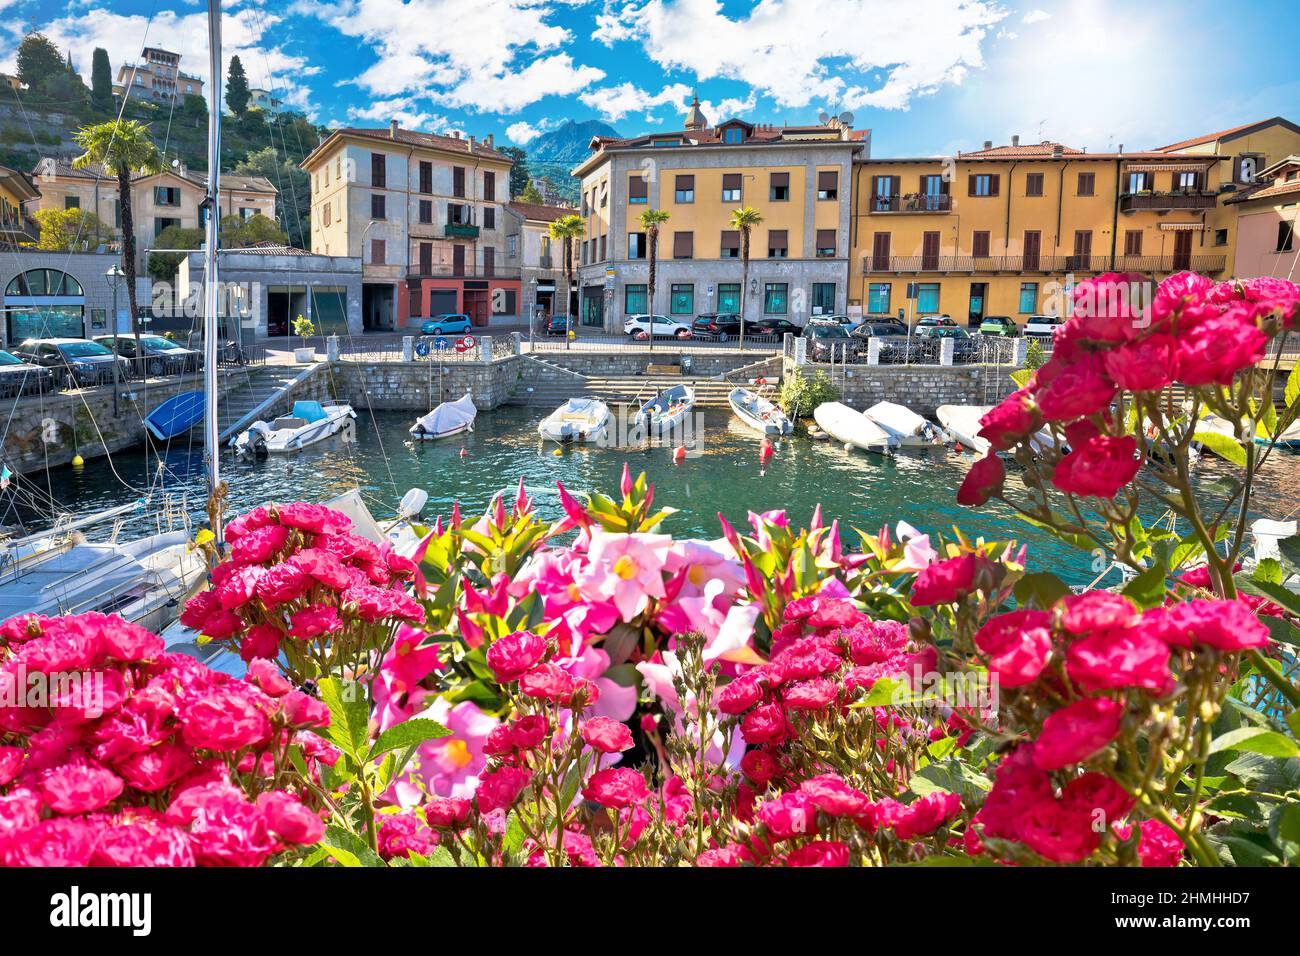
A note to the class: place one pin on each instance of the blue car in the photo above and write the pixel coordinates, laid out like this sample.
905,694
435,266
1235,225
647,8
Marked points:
446,324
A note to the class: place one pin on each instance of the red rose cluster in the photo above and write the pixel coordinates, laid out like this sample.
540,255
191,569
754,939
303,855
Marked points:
1194,332
296,573
137,757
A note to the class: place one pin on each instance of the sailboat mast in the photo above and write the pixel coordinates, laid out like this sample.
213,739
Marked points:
211,287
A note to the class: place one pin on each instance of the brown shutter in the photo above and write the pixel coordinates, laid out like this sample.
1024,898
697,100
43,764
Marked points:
828,179
458,260
875,185
776,239
685,182
426,258
730,239
970,185
980,244
489,260
683,243
731,180
637,187
895,185
1083,243
458,181
880,251
489,185
781,180
825,238
993,184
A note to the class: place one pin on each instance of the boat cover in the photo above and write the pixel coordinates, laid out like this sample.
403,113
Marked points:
449,416
309,411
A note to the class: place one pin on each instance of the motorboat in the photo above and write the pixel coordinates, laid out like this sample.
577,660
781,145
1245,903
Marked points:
448,419
577,420
307,424
852,428
908,428
667,411
177,415
962,423
759,413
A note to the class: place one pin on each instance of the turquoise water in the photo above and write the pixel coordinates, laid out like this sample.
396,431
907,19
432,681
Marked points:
863,491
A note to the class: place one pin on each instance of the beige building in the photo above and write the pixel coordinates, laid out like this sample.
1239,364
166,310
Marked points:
426,213
1267,214
540,259
157,77
169,198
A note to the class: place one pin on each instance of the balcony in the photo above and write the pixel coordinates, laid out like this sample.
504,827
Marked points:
469,270
461,229
913,202
1041,265
1163,202
1155,264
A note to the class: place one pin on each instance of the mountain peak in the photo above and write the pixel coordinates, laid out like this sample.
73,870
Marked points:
568,142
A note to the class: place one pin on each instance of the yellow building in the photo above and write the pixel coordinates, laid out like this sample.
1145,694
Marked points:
16,190
1246,152
799,178
426,215
1000,231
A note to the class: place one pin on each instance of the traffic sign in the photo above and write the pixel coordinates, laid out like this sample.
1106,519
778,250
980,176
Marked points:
422,348
440,343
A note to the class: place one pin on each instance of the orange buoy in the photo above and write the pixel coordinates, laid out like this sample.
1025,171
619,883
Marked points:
679,455
957,448
766,450
464,453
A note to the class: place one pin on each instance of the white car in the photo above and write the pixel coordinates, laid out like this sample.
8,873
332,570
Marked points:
638,326
1044,326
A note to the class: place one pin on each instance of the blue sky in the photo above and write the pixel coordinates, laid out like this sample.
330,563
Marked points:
927,76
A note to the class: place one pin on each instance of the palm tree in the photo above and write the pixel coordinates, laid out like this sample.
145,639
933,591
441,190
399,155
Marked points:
122,147
744,219
651,220
565,230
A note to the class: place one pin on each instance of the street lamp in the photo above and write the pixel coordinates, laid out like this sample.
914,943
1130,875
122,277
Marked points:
114,275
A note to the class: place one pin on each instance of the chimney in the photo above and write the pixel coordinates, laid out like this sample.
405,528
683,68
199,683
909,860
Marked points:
392,129
988,144
487,140
1058,151
1121,149
471,144
1015,140
456,133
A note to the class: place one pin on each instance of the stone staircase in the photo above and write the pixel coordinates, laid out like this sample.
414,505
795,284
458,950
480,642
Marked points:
254,393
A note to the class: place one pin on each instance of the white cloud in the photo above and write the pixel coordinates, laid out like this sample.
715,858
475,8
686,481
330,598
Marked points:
731,106
615,102
797,51
1036,16
404,109
522,133
492,55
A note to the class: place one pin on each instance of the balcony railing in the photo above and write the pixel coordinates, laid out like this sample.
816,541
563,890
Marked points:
470,270
1048,265
1133,202
461,229
914,202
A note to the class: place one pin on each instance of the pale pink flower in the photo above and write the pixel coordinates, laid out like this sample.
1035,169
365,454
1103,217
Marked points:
626,569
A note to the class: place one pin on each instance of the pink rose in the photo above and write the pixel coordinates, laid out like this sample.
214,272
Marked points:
740,695
1076,732
498,789
606,735
945,582
510,657
314,621
529,731
80,787
448,813
1067,390
1018,645
789,816
1212,352
1147,365
834,797
288,819
317,519
616,788
824,853
225,719
765,724
1120,657
984,480
1015,418
1059,833
759,767
1098,468
1225,625
259,545
1094,610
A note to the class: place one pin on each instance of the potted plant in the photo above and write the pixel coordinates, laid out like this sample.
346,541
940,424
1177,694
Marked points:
304,329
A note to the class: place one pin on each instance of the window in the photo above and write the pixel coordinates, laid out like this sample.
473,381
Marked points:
512,246
160,223
1220,237
776,298
426,176
823,298
166,196
426,210
338,169
489,261
1187,181
1033,184
779,187
604,195
1139,182
825,243
378,251
733,135
1028,298
636,245
603,245
1132,242
729,297
880,251
730,248
634,302
638,189
731,185
777,244
683,245
1246,168
878,298
684,190
927,297
983,184
246,213
326,214
885,192
828,184
1285,235
489,217
377,206
1087,184
378,171
490,186
71,202
979,243
682,300
460,214
458,181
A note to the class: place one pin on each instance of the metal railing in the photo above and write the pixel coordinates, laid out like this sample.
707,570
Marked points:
1190,199
468,270
912,202
599,341
1045,265
915,350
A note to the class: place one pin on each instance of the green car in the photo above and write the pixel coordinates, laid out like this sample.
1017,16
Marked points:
999,325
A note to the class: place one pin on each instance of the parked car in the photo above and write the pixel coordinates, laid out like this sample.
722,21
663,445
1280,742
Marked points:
1042,326
22,378
929,321
555,325
896,346
449,323
638,326
829,341
717,326
874,328
162,356
773,327
963,345
847,321
75,362
1002,325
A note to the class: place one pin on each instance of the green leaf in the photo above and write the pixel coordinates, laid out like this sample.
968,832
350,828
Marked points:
1080,541
1266,774
1226,448
1274,592
888,692
1292,393
1148,588
1256,740
1290,548
348,849
1268,571
514,837
408,733
1041,588
950,776
349,716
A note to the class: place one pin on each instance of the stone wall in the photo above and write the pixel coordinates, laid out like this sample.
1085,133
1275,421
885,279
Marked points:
416,386
922,388
704,363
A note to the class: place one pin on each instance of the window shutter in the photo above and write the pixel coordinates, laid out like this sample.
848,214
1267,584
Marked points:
458,181
489,186
828,179
683,243
980,244
731,180
993,184
730,239
944,185
970,185
825,238
685,182
637,187
776,239
781,180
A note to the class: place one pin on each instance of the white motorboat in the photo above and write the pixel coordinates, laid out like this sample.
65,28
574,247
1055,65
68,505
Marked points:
759,413
962,423
307,424
667,410
448,419
577,420
852,428
907,427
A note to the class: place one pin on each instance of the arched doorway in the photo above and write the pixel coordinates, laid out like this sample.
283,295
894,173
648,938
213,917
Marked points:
44,303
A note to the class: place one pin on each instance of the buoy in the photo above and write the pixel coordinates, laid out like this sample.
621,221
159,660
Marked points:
957,448
464,453
558,452
77,461
766,450
679,455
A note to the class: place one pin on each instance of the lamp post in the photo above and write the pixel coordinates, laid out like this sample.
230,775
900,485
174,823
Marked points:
114,275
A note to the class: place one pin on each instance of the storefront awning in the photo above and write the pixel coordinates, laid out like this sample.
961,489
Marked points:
1168,167
1180,226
